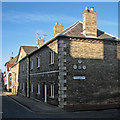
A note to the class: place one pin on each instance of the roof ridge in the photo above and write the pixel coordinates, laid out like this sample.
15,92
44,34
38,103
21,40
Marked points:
27,46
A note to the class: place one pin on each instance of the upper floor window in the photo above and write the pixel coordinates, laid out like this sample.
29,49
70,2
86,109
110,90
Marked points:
9,68
10,78
31,64
38,88
38,61
51,57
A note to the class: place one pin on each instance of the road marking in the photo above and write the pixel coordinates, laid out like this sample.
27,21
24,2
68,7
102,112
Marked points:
20,104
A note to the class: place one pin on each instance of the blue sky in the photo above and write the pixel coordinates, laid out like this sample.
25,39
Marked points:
21,21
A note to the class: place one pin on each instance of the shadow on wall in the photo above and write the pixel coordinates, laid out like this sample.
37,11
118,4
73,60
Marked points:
92,71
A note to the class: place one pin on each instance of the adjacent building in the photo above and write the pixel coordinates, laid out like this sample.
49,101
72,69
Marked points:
1,79
78,66
8,76
23,51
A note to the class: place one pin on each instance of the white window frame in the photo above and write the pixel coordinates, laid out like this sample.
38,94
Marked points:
31,87
51,57
31,64
23,86
38,61
38,89
52,91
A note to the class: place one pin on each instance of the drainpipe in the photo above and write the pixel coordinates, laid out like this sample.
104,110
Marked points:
28,76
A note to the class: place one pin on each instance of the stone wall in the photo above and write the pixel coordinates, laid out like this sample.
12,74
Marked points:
22,77
46,74
96,64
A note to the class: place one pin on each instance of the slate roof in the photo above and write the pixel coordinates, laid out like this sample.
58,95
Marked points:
13,61
76,30
29,49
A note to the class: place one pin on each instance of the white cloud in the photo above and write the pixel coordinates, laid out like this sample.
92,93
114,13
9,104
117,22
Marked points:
104,22
37,17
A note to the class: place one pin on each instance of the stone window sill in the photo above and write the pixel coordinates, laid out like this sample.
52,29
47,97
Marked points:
52,97
38,67
51,64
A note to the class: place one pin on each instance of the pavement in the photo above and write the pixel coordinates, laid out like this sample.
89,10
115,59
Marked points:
35,105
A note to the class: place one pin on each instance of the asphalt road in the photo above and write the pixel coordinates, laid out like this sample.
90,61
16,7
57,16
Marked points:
12,109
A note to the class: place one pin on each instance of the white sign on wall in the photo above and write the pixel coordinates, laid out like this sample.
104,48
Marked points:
79,77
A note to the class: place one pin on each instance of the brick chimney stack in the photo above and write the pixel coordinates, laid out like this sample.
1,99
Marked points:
90,22
40,42
57,28
11,58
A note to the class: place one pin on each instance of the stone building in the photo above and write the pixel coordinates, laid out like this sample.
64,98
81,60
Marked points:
78,66
23,51
8,76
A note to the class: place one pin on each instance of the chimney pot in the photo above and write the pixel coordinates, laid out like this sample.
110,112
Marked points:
92,8
56,23
11,58
86,8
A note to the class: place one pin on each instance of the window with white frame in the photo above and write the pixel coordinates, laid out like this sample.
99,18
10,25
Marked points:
51,57
38,61
52,90
23,86
23,68
38,88
31,87
10,78
31,64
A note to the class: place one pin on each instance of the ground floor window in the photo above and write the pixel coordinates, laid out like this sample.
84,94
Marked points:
38,88
52,90
31,87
